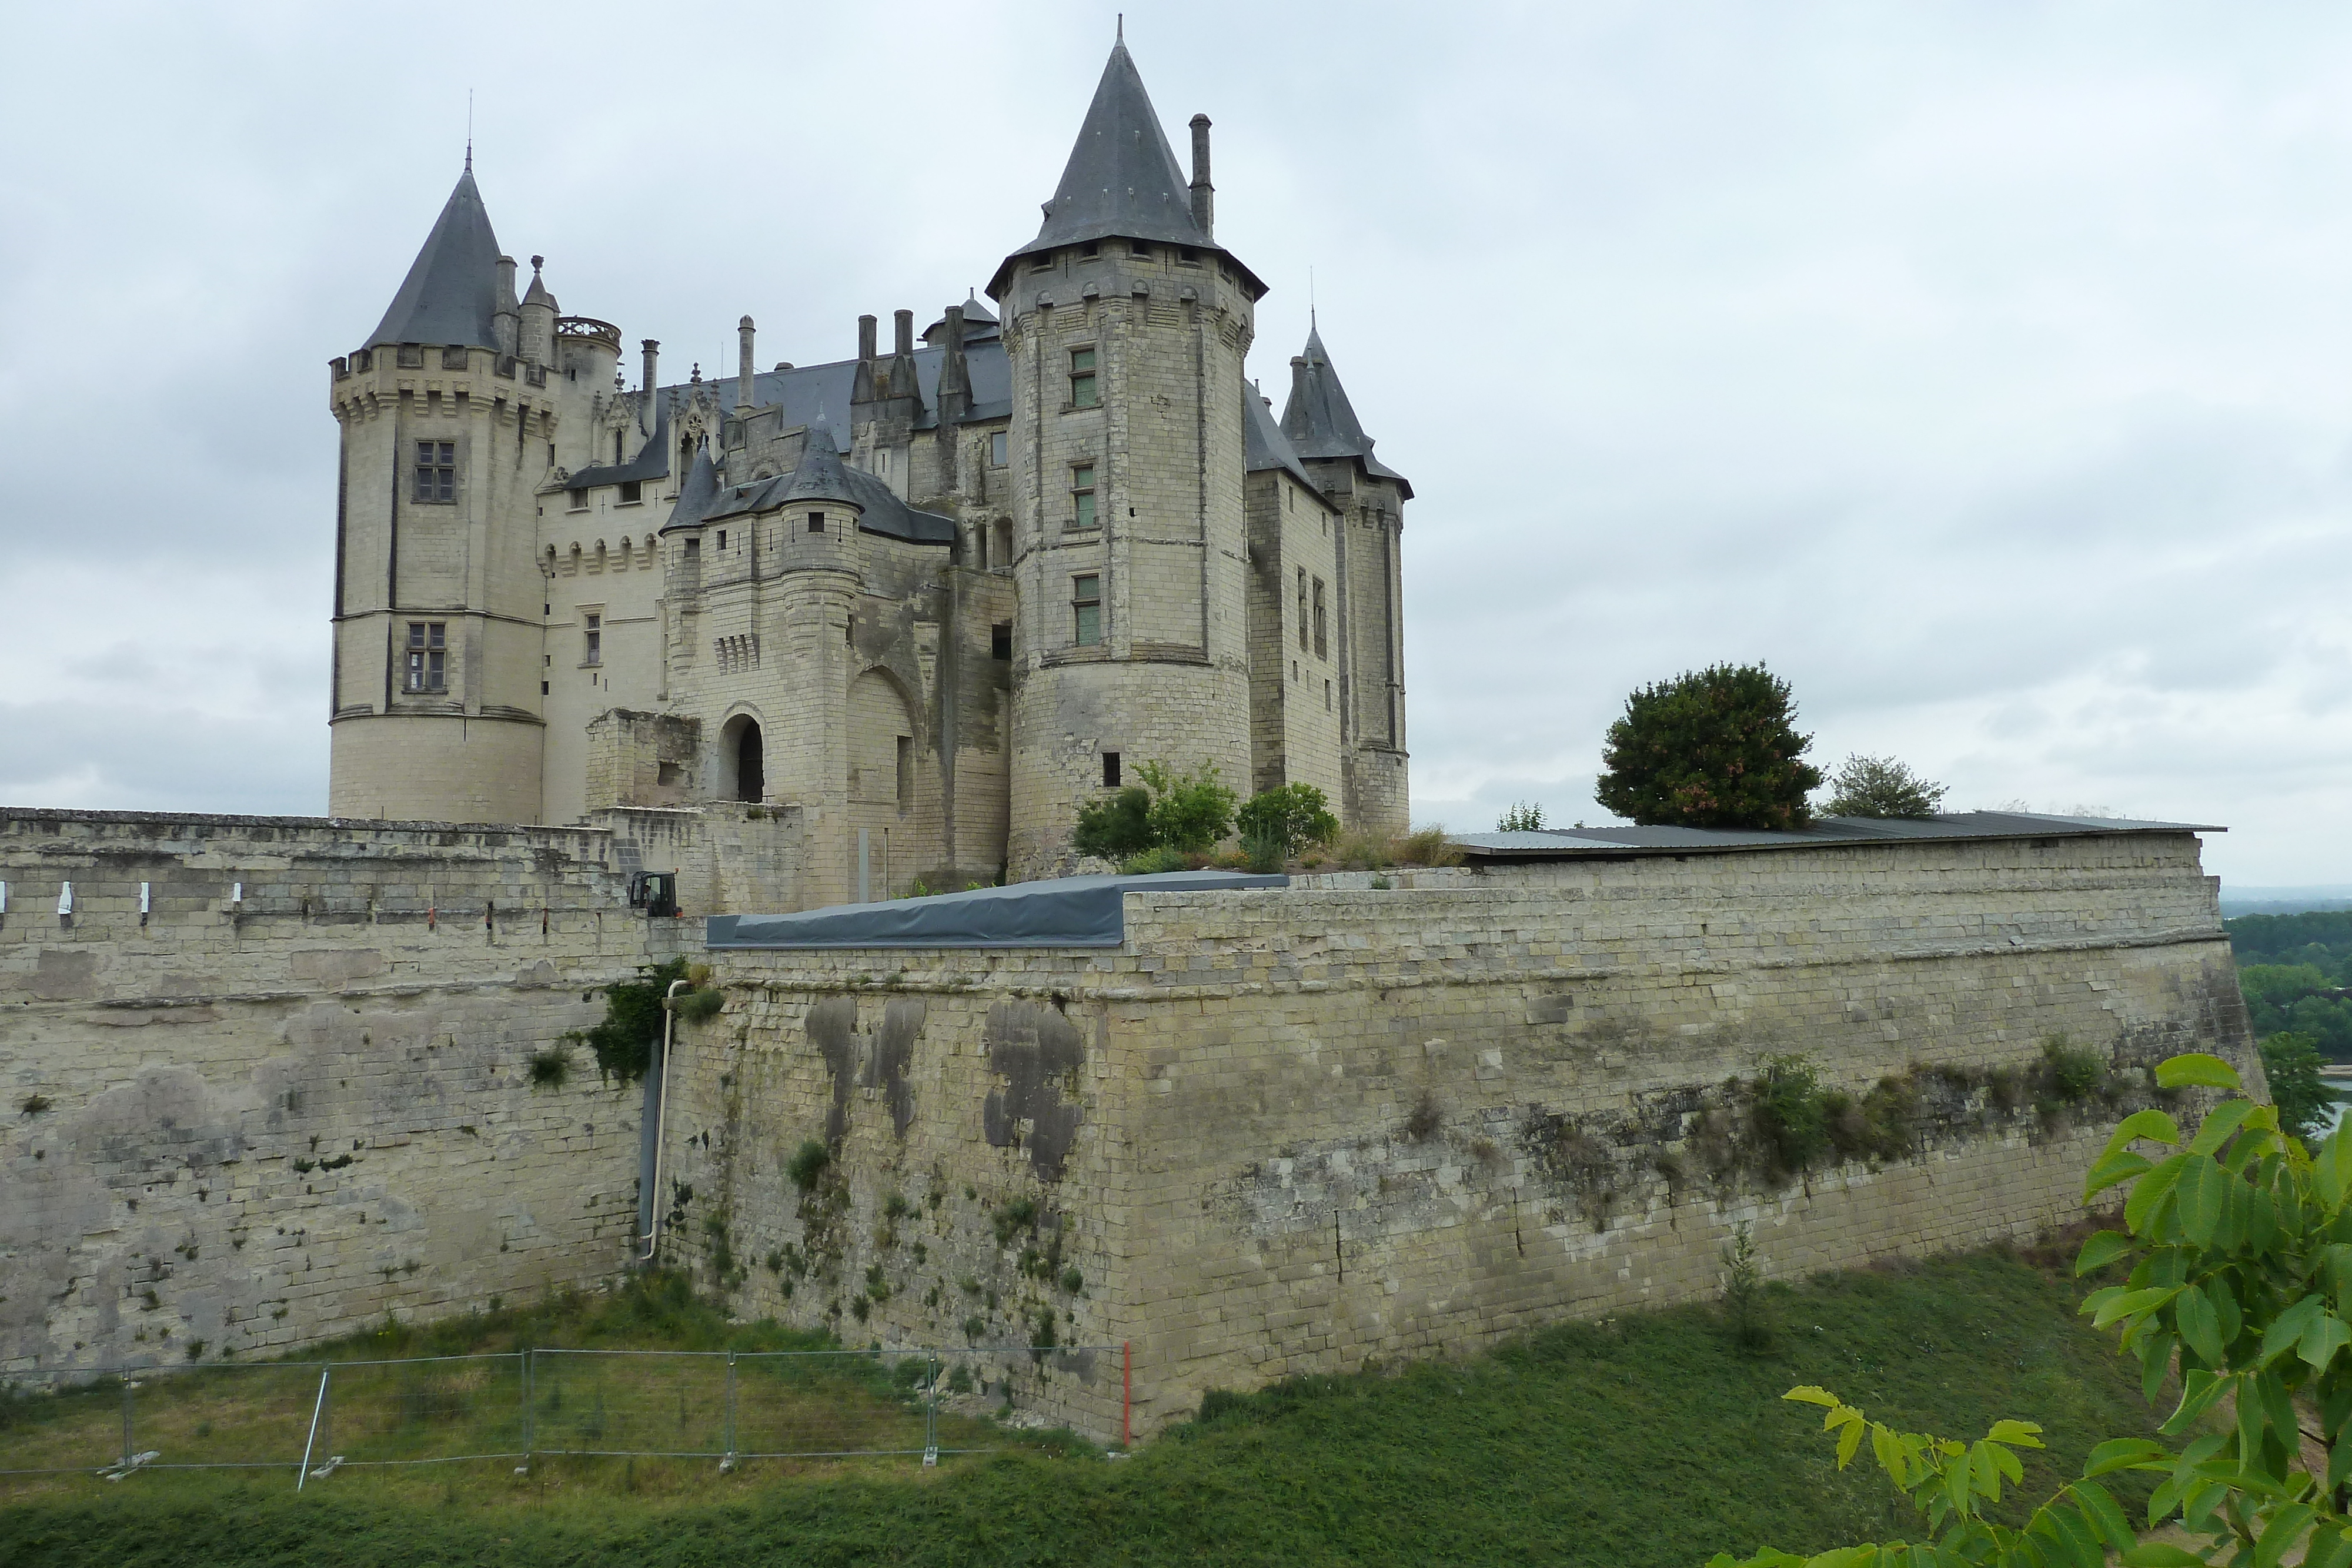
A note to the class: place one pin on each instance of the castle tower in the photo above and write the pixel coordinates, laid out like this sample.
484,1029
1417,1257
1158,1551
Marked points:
1322,429
1126,326
437,701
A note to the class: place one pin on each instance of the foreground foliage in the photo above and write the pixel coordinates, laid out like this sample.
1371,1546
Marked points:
1638,1443
2238,1247
1881,787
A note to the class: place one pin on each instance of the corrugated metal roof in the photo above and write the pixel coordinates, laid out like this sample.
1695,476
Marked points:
1564,843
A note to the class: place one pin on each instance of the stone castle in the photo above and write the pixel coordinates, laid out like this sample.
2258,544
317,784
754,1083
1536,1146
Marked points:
918,607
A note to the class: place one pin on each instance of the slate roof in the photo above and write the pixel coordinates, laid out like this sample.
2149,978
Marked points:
1570,843
451,294
696,496
1122,180
822,476
1264,446
1062,912
1322,423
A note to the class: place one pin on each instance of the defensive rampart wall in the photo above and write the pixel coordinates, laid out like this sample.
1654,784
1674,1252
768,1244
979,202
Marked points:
1287,1131
295,1094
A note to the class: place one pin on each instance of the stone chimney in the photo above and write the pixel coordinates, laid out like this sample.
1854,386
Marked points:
861,389
744,372
652,349
508,320
1204,194
955,381
902,354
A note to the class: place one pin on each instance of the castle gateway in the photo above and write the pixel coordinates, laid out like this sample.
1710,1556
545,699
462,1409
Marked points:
888,620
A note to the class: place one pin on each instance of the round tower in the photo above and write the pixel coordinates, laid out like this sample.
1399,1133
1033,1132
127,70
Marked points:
436,687
1126,325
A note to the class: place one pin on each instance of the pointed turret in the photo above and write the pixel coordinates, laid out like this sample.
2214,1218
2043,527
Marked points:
451,294
695,497
820,476
1122,180
1319,420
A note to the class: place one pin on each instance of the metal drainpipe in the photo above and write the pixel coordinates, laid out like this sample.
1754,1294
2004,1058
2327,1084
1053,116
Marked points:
659,1085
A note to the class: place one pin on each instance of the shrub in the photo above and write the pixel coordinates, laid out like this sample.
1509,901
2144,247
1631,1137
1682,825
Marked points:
1153,860
625,1040
1791,1115
700,1006
1522,818
1424,1118
550,1068
1115,828
1276,823
1717,749
1746,1309
1189,810
2072,1073
1424,846
808,1163
1881,787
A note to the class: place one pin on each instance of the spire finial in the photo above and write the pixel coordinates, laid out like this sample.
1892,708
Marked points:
1122,28
469,131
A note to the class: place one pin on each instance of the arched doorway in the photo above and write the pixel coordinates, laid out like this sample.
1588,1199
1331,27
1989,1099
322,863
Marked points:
751,764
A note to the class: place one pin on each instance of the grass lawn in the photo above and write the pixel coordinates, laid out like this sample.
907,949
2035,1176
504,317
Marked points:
1645,1442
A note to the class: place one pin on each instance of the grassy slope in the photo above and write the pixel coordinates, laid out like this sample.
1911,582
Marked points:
1648,1441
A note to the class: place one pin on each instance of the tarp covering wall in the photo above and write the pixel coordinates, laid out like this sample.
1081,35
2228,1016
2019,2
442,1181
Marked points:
1066,912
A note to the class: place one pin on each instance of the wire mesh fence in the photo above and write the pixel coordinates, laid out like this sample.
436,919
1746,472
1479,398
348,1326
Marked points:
314,1417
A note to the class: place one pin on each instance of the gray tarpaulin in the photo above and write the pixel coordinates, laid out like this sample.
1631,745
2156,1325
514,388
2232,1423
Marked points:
1067,912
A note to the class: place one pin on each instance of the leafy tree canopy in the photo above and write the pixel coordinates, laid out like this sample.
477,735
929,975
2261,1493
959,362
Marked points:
1522,818
1718,749
2291,1062
1881,787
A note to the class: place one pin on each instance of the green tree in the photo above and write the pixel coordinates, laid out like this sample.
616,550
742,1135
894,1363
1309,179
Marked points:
2292,1061
1115,827
1881,787
1277,823
1522,818
1718,749
2236,1251
1190,811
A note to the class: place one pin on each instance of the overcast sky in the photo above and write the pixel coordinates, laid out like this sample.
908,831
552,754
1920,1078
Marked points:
1980,367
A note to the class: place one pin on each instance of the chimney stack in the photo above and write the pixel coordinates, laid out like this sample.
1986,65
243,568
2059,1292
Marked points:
1298,379
652,348
743,373
1204,194
861,389
904,345
509,319
955,382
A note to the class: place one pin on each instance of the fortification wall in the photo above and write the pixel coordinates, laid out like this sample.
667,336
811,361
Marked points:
1284,1131
247,1122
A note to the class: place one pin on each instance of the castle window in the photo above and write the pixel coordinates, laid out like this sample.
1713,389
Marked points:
428,643
1083,390
1327,696
722,539
1140,250
453,359
593,653
1085,606
906,772
816,522
882,464
632,493
1000,640
411,356
1082,496
996,449
693,552
575,500
1091,249
1322,649
1110,769
616,449
437,472
1187,256
1302,610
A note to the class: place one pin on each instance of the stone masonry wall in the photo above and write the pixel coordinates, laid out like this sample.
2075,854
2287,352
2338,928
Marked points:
1281,1132
240,1124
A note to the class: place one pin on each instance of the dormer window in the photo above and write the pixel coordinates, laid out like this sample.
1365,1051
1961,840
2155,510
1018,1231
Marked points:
816,522
633,492
1187,256
996,453
1091,249
576,500
437,473
1140,251
1084,392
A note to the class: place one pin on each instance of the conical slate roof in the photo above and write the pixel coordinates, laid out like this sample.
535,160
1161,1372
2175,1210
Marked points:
694,497
1122,180
819,476
1319,420
451,293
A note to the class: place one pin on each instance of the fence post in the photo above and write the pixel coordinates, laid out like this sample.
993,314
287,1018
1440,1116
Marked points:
527,1419
932,1415
126,1449
730,1407
317,1408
